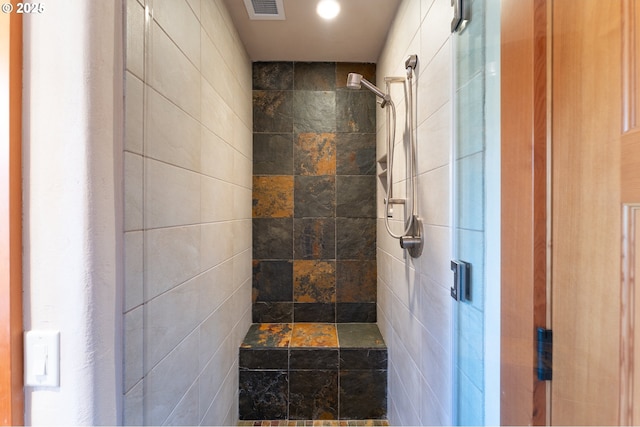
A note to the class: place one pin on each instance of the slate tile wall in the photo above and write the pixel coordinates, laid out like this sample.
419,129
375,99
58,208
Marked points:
314,189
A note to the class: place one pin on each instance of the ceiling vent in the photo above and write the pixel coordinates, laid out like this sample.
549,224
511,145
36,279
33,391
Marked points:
265,9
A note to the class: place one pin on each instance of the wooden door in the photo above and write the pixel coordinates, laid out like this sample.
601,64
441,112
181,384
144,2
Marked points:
595,209
11,392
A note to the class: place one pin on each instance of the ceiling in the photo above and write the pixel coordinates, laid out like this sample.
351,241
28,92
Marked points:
357,34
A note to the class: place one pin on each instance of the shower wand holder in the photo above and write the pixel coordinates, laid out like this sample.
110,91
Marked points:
414,242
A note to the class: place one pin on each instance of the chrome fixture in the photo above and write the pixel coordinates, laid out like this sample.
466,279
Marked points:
411,237
356,81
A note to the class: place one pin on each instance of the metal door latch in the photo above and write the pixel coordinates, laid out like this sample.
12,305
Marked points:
461,289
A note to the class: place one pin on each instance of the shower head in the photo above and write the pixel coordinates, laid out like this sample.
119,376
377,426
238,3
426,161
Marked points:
356,81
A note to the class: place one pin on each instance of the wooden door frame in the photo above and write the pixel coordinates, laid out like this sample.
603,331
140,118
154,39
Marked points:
11,355
524,118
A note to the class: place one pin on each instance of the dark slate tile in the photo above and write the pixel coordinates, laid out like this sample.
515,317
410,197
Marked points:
313,395
363,394
272,196
367,70
272,312
273,154
314,335
251,358
261,335
315,154
273,75
360,335
273,238
314,196
356,238
356,281
349,312
314,111
272,111
314,281
363,359
355,111
314,312
355,154
316,358
314,75
272,281
314,238
356,196
263,395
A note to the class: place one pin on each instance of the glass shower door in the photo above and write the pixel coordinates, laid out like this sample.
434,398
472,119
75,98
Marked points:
475,215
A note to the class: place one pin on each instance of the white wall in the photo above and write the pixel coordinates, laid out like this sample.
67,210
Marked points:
72,145
414,305
188,167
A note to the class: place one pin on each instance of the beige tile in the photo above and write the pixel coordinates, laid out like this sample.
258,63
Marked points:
172,74
133,120
172,256
434,204
133,348
181,24
434,140
216,114
434,89
217,159
169,380
217,200
172,135
170,317
135,38
172,196
133,191
133,403
217,243
133,269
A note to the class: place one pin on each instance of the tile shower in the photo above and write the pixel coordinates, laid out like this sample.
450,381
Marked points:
314,351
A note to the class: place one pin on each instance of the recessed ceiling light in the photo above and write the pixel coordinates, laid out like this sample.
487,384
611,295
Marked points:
328,9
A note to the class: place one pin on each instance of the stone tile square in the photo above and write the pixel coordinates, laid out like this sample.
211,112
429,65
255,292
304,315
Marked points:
356,281
262,335
272,197
273,238
272,312
356,196
314,312
314,281
263,395
314,111
313,395
356,153
314,76
360,335
272,280
273,111
314,238
355,238
273,75
315,154
314,335
273,153
314,197
359,312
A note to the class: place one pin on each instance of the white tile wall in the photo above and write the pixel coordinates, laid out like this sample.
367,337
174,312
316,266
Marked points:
414,306
187,180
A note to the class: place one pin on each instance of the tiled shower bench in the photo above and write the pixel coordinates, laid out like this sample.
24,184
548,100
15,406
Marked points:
313,371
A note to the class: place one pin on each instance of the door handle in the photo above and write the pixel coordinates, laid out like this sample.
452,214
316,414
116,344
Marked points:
460,15
461,289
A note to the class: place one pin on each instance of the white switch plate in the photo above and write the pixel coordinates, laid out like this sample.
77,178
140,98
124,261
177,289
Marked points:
42,358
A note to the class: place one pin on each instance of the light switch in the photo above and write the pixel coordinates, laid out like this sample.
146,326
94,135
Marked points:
42,358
